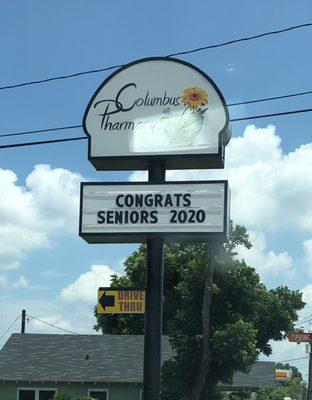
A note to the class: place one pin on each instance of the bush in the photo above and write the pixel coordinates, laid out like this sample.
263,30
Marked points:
63,396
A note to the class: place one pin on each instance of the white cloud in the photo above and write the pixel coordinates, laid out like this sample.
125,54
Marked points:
270,190
3,280
266,261
22,282
30,215
55,197
52,274
139,176
307,295
16,242
43,321
305,315
78,318
257,145
307,259
85,288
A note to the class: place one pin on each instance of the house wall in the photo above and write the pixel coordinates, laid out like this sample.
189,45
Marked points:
8,390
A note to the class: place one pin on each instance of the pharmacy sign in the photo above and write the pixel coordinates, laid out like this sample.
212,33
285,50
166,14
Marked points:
157,108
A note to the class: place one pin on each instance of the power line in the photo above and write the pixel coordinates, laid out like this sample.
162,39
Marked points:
212,46
292,359
244,39
229,105
302,321
271,115
285,96
5,146
2,336
56,78
62,128
54,326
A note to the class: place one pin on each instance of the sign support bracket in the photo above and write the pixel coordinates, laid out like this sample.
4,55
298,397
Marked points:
154,301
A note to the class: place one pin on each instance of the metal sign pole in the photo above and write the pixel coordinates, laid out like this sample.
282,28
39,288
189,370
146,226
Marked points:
310,374
154,302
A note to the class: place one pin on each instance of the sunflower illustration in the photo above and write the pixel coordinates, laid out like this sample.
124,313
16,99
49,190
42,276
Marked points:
194,97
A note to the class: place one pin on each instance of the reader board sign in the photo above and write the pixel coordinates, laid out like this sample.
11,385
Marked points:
134,212
120,301
299,337
157,108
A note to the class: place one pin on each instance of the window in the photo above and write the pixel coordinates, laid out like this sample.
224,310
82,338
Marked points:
35,394
98,394
46,394
26,394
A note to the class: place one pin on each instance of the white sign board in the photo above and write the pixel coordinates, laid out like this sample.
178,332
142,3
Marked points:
159,108
130,212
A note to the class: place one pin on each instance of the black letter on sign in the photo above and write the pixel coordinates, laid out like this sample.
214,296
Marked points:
187,199
101,217
117,200
154,217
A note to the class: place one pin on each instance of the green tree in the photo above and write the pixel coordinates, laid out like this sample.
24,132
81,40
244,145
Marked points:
218,314
292,389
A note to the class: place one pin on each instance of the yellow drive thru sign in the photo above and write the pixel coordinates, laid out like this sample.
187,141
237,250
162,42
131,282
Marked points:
120,301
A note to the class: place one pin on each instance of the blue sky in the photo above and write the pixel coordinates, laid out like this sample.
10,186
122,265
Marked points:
45,39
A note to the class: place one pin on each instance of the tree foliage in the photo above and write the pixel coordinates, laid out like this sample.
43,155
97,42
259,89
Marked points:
64,396
245,314
294,389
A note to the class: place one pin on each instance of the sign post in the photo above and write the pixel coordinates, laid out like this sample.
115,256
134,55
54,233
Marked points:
154,302
310,375
306,337
157,114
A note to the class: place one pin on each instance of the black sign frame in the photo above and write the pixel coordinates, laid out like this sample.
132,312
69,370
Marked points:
132,237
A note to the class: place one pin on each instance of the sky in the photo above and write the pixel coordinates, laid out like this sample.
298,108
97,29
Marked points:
45,267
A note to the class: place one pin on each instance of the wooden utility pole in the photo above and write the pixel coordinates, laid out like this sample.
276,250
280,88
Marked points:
23,321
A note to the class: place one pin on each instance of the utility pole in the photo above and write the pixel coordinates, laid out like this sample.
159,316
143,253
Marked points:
23,321
310,375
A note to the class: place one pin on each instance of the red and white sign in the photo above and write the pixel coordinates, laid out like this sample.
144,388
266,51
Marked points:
300,337
283,375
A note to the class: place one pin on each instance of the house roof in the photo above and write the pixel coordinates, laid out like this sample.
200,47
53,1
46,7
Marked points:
94,358
262,375
74,358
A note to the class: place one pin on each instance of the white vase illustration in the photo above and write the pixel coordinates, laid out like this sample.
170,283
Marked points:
182,130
